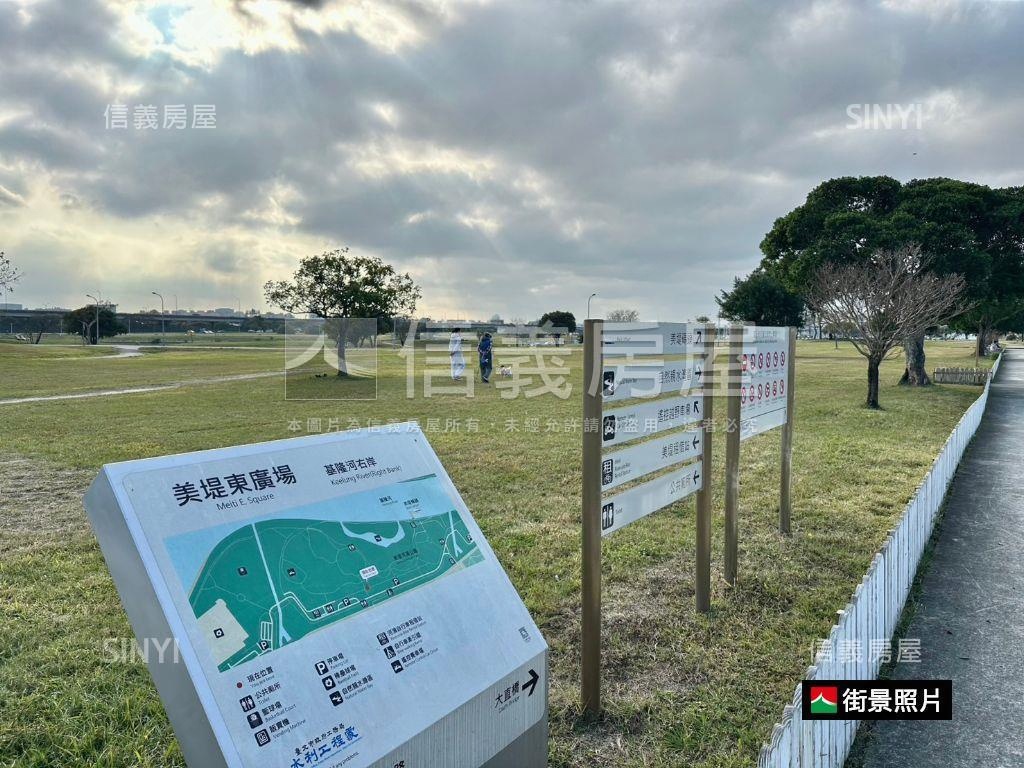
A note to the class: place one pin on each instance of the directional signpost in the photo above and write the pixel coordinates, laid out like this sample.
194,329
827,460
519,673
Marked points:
332,602
760,398
626,361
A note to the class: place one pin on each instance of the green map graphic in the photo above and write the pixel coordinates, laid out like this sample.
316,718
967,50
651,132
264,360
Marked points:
274,581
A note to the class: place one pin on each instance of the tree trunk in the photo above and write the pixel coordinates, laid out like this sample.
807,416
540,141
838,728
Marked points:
873,363
342,333
915,374
981,344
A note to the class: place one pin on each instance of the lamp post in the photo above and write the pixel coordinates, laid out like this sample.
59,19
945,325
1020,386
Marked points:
163,320
588,304
96,303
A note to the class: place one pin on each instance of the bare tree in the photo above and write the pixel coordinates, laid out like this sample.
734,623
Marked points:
884,300
9,275
622,316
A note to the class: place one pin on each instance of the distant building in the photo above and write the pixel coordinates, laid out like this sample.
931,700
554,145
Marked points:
10,307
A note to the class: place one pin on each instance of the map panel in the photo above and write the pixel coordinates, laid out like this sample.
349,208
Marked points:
273,581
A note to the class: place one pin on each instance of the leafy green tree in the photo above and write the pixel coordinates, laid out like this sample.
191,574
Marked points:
761,299
965,229
341,287
559,321
83,321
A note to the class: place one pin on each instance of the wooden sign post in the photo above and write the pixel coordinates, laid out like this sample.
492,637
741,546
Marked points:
733,385
665,456
591,608
760,393
702,568
786,487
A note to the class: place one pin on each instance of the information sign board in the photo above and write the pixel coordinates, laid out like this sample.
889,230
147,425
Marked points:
620,425
637,339
622,382
649,456
764,379
333,602
629,506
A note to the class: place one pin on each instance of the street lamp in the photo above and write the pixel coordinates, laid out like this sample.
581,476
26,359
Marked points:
96,303
163,320
588,304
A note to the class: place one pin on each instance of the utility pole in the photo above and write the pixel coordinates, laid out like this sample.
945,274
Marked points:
163,320
96,303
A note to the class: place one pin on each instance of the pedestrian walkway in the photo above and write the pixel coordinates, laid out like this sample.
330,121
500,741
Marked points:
970,615
138,390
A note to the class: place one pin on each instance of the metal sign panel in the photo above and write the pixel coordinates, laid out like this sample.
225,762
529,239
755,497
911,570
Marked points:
629,506
765,371
637,339
332,600
622,382
649,456
632,422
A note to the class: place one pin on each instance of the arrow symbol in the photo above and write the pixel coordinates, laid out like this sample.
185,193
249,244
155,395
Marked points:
531,684
696,406
699,335
696,441
696,477
699,372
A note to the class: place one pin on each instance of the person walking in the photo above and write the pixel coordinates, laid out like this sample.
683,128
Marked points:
455,353
485,350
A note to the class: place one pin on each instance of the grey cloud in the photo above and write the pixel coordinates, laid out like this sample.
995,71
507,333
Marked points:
10,199
675,134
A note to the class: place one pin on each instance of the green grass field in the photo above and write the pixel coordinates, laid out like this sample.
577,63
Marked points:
681,689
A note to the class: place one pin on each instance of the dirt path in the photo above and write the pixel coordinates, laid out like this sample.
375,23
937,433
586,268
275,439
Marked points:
137,390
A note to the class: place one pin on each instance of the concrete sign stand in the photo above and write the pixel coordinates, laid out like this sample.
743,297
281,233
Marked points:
332,601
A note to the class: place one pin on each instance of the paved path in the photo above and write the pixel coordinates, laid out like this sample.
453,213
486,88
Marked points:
970,617
137,390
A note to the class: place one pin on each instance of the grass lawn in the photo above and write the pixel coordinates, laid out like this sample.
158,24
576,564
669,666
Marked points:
681,689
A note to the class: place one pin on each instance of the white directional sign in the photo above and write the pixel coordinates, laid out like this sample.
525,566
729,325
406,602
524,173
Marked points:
637,339
622,382
649,456
631,505
333,602
765,372
621,425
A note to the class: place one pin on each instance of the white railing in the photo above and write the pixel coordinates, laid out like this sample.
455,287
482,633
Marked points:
872,614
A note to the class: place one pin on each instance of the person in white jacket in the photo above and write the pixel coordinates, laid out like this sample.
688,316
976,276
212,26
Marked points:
455,353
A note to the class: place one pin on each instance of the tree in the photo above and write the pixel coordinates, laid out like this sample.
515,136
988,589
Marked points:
9,275
761,299
889,297
967,229
338,286
559,321
83,320
622,316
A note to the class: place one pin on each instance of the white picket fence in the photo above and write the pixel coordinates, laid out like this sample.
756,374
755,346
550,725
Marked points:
872,614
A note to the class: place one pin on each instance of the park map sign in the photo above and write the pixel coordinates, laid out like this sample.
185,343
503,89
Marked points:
333,603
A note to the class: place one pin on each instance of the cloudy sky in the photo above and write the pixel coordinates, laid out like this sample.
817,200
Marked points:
513,157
